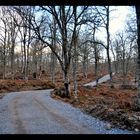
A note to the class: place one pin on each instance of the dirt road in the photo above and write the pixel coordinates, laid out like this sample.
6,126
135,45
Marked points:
101,80
35,112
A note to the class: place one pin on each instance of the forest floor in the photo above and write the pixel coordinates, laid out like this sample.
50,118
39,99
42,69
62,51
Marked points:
116,105
7,86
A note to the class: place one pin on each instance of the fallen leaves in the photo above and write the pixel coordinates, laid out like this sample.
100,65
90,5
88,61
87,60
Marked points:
114,105
18,85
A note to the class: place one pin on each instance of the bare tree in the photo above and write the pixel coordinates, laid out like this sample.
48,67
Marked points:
84,49
25,32
107,47
124,49
105,14
63,15
4,39
13,29
138,42
53,57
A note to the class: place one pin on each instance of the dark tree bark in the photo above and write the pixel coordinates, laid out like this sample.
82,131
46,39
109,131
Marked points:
108,46
138,42
53,57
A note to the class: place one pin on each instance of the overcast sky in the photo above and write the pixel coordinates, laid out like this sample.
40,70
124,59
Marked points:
118,19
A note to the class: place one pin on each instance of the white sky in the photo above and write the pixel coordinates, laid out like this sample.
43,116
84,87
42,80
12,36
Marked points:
118,18
117,23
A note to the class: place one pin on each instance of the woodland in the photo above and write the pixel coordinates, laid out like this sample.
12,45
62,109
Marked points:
58,47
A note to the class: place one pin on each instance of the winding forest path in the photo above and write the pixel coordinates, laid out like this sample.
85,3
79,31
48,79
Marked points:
35,112
101,80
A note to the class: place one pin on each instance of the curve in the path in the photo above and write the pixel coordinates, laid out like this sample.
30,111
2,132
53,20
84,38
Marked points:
35,112
101,80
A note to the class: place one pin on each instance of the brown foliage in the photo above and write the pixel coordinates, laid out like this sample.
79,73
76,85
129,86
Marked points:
17,85
113,104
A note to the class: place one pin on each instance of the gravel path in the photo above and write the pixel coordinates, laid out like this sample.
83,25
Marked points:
101,80
35,112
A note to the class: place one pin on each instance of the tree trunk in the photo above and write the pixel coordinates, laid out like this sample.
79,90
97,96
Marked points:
4,53
115,61
25,57
123,67
116,66
22,59
40,64
67,83
109,68
53,65
75,66
34,63
28,44
4,68
53,57
27,65
84,67
75,77
12,61
107,49
96,57
4,63
96,64
138,42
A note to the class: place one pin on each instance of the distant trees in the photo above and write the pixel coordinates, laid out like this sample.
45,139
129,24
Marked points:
38,38
3,37
36,52
131,30
13,30
25,35
63,16
105,14
123,49
9,33
84,52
